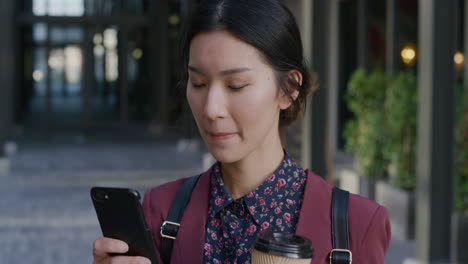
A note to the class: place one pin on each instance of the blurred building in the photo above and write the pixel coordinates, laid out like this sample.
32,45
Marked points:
87,64
78,64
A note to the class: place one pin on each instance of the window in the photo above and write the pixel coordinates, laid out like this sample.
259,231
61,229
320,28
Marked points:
87,7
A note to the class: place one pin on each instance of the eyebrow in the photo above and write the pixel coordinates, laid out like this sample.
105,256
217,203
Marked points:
222,73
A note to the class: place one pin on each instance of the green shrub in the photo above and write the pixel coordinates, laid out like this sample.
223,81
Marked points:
401,106
383,134
365,98
461,150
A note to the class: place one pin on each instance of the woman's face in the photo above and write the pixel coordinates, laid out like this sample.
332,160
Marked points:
233,95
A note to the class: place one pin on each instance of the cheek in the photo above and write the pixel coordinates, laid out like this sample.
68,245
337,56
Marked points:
256,108
194,101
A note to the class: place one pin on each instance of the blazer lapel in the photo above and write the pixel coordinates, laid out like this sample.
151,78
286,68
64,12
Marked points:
314,219
188,248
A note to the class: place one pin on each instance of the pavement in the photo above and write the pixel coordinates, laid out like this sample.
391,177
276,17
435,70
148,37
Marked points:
46,215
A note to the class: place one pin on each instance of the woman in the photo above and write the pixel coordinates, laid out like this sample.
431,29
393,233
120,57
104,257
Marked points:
245,80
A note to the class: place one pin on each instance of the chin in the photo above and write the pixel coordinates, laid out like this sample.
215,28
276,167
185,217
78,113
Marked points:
225,155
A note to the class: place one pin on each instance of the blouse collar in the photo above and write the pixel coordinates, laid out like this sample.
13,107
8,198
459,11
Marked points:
261,202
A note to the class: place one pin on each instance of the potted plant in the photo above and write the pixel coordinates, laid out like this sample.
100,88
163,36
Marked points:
364,136
397,194
460,215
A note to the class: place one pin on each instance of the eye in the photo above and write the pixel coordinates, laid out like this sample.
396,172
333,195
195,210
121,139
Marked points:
198,85
237,87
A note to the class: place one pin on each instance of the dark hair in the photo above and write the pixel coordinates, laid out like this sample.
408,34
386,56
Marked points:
267,25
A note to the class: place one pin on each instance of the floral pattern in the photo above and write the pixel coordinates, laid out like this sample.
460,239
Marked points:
233,224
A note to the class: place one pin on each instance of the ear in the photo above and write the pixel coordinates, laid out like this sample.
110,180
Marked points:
293,84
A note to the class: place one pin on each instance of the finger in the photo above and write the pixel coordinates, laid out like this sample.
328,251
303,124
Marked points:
104,245
129,260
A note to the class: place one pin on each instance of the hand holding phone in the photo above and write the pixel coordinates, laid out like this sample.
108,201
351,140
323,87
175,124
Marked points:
105,250
121,217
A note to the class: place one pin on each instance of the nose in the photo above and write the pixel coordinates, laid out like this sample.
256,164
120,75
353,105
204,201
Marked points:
215,103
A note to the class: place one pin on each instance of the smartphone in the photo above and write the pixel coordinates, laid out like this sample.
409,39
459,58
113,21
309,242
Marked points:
121,217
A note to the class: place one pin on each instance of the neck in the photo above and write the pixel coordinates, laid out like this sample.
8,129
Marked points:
245,175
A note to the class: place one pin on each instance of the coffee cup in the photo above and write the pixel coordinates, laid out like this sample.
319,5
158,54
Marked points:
281,248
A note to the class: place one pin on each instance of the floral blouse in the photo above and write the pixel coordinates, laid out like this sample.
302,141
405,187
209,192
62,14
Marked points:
233,224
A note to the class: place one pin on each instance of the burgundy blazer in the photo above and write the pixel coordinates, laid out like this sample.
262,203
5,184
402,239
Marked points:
369,225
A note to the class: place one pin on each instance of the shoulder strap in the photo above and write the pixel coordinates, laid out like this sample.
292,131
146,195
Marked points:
341,253
170,227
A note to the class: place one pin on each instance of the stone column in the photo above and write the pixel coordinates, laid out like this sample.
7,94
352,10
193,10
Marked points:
88,74
333,76
307,39
318,107
392,37
298,134
163,67
465,33
7,75
436,81
123,72
362,34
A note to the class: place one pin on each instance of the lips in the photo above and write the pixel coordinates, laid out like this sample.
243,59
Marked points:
220,135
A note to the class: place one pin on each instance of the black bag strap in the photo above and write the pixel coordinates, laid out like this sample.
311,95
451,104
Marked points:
341,252
170,227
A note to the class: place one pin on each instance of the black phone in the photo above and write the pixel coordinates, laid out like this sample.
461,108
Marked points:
121,217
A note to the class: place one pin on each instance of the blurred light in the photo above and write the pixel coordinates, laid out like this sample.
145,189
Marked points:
56,59
408,55
111,56
112,65
459,60
38,75
174,20
97,39
99,50
110,38
137,54
73,62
